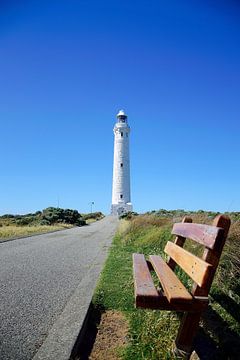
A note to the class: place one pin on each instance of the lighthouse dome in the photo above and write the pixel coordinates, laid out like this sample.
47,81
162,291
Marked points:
122,117
121,113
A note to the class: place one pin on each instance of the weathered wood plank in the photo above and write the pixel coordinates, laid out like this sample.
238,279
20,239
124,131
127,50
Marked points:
187,331
172,286
179,240
148,297
198,269
206,235
143,283
212,256
189,323
201,271
161,302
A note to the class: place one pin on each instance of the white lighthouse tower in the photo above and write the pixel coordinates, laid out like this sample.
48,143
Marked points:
121,198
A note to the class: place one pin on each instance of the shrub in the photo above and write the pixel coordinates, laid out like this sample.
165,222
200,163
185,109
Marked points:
96,216
23,221
56,215
129,215
45,222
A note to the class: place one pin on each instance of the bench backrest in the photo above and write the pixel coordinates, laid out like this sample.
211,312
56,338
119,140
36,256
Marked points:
200,270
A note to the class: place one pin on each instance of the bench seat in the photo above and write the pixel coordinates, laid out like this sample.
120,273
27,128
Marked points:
172,295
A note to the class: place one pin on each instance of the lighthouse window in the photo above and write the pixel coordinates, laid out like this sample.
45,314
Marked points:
121,164
121,196
121,134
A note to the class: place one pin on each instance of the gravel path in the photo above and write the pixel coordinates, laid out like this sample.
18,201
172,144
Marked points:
38,275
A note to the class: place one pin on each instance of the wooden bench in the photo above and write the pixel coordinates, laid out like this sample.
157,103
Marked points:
173,295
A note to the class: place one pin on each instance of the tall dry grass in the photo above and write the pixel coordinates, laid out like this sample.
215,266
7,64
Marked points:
228,276
145,230
13,231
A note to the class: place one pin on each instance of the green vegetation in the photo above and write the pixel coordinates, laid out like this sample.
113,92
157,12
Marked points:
91,217
151,333
53,215
50,219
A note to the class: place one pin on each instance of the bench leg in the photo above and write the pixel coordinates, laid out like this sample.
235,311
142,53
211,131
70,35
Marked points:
186,333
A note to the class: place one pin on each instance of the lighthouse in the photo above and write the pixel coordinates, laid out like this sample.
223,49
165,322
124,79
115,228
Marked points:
121,198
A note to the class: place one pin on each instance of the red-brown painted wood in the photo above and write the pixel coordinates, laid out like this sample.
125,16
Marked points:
174,290
148,297
212,256
179,240
172,297
190,321
203,234
145,290
161,302
196,268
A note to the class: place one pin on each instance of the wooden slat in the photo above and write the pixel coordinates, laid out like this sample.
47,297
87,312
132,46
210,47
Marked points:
179,240
213,256
189,323
161,302
148,297
203,234
198,269
172,286
143,283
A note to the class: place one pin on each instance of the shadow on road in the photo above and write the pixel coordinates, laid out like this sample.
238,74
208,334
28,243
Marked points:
86,338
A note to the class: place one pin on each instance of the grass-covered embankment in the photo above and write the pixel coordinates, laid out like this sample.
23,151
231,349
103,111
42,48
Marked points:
151,333
47,220
14,231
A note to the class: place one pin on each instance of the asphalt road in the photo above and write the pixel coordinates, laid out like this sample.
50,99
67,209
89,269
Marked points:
38,276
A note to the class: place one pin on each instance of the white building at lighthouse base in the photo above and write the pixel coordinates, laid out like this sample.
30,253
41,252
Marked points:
121,208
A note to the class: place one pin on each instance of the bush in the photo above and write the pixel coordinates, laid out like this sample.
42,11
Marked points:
96,216
45,222
53,215
23,221
128,216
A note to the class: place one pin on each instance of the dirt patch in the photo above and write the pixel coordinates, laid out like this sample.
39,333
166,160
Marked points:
112,334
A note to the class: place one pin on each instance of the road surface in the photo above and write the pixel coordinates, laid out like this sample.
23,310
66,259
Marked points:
38,277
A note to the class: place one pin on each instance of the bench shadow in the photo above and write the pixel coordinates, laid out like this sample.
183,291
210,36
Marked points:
86,338
228,345
226,348
237,288
228,304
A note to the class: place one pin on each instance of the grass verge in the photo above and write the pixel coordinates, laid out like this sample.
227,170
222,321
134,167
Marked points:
14,231
151,333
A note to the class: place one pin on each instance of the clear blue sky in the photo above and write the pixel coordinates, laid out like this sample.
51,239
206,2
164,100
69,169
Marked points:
67,67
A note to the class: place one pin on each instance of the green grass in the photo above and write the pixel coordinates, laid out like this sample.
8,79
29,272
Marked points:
151,333
115,291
